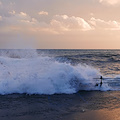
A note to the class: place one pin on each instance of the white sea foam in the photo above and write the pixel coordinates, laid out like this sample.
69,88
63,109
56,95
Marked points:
43,75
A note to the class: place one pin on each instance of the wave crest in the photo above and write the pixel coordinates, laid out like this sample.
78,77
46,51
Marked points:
44,75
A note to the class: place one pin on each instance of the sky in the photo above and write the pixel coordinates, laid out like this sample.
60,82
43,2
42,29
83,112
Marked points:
59,24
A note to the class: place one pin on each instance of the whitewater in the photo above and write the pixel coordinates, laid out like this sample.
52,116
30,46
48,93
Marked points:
39,72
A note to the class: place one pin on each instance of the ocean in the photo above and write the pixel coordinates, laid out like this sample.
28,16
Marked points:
59,84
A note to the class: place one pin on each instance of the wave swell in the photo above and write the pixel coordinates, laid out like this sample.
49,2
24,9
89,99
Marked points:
34,74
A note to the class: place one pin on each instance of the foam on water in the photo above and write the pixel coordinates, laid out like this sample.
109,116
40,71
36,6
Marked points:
32,74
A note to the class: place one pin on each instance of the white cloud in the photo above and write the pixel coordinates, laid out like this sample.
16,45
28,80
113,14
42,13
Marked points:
17,18
23,19
58,25
105,25
110,2
43,13
66,23
23,14
22,22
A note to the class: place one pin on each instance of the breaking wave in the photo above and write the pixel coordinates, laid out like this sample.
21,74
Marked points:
24,71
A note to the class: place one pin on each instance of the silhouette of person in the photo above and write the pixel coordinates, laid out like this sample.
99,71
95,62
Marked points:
101,81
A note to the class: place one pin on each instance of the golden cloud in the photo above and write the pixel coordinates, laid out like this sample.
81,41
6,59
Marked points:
43,13
105,25
110,2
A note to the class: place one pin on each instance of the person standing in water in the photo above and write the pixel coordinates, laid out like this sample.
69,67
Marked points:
97,84
101,81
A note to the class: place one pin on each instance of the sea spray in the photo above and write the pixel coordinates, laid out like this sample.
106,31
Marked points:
33,74
18,53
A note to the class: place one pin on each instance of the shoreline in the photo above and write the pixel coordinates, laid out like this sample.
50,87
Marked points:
92,105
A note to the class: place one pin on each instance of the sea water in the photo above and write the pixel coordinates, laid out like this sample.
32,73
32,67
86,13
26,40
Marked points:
58,71
56,84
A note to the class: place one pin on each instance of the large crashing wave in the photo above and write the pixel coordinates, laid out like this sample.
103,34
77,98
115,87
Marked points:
23,71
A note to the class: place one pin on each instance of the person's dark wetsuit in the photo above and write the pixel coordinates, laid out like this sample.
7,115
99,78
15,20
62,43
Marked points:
101,81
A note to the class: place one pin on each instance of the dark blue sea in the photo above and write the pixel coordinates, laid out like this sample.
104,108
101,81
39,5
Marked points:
59,84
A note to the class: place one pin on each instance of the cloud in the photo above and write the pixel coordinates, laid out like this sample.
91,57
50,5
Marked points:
22,22
43,13
59,24
20,19
110,2
104,25
66,23
23,14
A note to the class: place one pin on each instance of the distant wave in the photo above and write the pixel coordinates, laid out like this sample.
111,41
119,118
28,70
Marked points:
18,53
